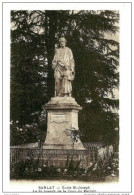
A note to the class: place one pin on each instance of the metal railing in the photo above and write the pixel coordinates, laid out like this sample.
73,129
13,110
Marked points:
22,154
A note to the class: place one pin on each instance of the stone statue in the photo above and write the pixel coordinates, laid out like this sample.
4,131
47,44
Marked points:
62,110
63,66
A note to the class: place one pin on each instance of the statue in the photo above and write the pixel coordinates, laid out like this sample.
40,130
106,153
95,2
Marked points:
63,66
62,110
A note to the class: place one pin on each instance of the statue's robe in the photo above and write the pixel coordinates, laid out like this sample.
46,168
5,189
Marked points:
63,65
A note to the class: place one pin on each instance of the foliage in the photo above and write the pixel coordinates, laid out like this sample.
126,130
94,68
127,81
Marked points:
74,134
35,169
28,133
34,36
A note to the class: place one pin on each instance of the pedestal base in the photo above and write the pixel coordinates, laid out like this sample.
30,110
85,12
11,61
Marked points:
62,121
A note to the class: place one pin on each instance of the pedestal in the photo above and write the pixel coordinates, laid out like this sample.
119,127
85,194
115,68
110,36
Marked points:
62,116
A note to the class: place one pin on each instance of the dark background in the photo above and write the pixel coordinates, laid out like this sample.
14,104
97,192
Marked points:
34,36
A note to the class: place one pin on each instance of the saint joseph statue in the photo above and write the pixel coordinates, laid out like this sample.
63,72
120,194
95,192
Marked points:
63,66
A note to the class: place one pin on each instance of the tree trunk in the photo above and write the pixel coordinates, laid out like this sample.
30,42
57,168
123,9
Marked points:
50,31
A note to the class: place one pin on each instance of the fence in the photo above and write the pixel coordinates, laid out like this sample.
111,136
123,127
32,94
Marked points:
57,157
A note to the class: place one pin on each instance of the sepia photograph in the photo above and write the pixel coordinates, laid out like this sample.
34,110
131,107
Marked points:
64,63
64,103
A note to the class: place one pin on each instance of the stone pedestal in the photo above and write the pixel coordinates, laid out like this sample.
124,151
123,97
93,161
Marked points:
62,115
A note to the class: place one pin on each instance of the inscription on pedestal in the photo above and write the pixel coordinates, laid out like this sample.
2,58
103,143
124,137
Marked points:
58,118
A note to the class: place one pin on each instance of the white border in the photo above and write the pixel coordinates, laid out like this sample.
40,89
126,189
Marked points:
125,91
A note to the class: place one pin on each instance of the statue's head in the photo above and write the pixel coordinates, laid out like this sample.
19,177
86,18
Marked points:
62,42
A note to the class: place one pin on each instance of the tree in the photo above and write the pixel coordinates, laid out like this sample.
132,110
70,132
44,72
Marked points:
34,37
